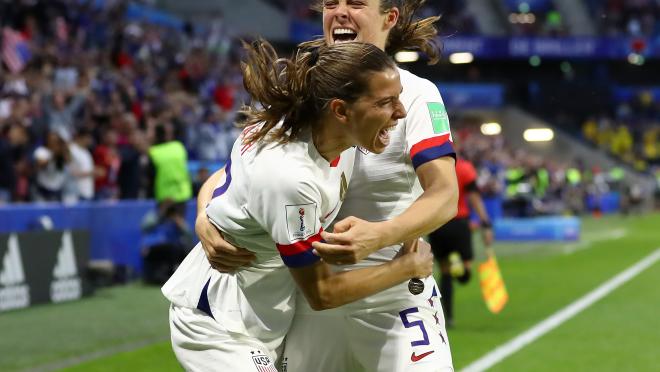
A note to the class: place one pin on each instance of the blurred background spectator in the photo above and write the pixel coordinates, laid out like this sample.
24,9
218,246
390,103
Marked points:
81,69
108,78
166,240
168,169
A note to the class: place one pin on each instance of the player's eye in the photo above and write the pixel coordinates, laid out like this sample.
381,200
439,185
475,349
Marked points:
357,4
330,4
384,102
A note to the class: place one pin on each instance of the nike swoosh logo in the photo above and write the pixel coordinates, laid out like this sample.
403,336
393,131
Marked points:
417,358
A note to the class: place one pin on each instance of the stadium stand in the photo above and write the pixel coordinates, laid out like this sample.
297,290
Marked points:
85,83
126,78
77,84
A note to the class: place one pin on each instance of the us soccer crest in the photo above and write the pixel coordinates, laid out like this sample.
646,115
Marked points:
262,362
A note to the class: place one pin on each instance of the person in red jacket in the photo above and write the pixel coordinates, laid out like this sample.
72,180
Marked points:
456,235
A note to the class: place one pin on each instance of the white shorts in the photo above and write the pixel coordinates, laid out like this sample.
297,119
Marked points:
200,343
410,338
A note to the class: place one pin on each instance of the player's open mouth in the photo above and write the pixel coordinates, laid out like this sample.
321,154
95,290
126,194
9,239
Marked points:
384,134
343,35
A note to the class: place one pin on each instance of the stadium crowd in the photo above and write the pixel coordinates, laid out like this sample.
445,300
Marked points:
631,132
531,185
80,104
626,18
537,18
83,89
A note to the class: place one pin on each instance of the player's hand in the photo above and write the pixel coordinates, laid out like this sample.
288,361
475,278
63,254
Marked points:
424,247
222,256
352,240
414,245
487,236
419,258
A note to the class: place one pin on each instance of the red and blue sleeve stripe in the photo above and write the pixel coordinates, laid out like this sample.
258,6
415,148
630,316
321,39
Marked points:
431,149
300,254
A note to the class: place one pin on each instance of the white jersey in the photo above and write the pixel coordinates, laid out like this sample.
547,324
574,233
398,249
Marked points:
273,200
392,330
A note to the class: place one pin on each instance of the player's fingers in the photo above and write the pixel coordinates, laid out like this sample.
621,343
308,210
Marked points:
336,238
427,255
230,261
329,250
224,248
423,246
323,248
223,268
344,225
332,248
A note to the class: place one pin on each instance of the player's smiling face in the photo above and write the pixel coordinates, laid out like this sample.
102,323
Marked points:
375,114
357,20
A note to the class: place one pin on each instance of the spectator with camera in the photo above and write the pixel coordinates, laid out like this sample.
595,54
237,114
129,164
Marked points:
165,240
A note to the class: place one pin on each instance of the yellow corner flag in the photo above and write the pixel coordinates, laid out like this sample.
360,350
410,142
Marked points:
492,284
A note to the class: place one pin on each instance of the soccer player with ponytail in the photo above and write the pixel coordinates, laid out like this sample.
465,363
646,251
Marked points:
406,192
282,187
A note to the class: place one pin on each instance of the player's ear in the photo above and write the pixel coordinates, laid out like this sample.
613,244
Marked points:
391,17
338,108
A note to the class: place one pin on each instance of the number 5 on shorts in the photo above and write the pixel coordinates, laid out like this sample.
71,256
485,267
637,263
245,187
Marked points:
417,323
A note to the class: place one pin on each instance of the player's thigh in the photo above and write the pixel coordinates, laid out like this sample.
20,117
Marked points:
200,343
411,338
317,342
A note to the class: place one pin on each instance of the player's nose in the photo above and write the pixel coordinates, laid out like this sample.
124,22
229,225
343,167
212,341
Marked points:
399,111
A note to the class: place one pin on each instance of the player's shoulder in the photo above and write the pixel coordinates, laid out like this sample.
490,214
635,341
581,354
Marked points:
413,84
282,166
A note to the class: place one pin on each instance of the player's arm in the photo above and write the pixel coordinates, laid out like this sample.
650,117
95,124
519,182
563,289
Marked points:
289,210
435,207
206,191
477,204
325,289
353,239
222,256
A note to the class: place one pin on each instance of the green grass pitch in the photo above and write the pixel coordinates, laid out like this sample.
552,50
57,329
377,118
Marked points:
125,328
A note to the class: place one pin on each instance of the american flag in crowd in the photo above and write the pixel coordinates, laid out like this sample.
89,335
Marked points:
15,50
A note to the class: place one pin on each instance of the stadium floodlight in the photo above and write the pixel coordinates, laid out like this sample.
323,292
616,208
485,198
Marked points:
535,61
461,58
636,59
406,56
524,7
491,129
538,135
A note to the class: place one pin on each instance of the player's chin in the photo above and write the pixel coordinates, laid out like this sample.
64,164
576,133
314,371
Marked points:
378,146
